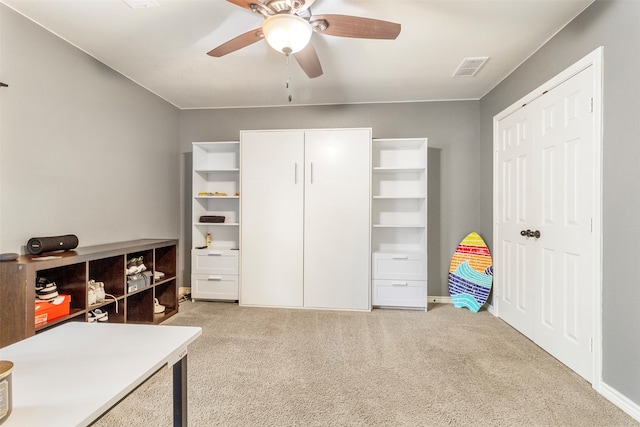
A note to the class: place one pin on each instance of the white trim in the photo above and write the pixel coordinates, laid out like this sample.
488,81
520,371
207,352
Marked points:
594,59
439,300
620,400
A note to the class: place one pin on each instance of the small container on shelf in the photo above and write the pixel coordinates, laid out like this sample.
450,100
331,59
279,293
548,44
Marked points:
212,218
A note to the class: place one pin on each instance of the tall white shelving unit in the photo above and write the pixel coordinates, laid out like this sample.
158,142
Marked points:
399,223
216,186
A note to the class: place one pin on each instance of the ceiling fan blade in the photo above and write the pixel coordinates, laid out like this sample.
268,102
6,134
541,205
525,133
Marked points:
255,6
243,3
355,26
236,43
308,60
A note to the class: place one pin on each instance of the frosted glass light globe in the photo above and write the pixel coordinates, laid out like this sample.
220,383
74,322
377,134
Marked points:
287,33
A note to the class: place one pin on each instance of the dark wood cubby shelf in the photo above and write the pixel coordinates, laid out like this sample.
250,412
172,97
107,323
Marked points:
72,270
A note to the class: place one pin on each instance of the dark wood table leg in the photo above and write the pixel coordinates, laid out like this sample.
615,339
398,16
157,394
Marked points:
180,393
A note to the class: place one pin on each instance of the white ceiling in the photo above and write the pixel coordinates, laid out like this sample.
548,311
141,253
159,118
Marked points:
164,48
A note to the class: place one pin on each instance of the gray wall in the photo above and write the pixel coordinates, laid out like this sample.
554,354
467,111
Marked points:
83,149
452,129
616,26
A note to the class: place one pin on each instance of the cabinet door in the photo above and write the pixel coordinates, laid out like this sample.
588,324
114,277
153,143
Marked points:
272,183
337,200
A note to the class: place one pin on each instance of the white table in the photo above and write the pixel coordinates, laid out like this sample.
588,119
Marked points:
72,374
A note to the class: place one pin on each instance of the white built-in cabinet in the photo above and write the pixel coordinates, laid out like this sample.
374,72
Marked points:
305,218
216,186
399,223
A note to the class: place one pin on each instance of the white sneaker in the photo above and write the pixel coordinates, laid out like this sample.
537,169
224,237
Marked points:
157,307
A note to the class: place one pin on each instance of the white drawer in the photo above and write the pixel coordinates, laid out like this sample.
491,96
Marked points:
214,261
214,286
405,266
400,293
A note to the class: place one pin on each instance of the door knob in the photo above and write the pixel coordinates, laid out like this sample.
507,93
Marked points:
529,233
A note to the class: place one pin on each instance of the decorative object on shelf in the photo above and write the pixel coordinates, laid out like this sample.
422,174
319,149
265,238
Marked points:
45,289
6,390
38,245
47,311
471,273
214,194
9,256
212,218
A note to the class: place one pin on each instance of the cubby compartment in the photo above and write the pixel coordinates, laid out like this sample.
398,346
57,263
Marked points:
399,213
216,156
70,280
140,307
400,154
115,310
216,183
109,271
147,259
165,262
165,293
221,237
397,239
227,207
399,183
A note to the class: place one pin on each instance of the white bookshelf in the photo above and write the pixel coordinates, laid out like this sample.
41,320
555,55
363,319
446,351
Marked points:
399,222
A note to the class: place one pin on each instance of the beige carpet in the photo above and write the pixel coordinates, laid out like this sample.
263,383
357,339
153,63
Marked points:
279,367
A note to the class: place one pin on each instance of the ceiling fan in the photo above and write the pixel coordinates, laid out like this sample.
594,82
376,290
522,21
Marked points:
289,24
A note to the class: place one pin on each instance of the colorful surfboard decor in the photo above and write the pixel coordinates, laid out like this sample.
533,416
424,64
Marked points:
471,273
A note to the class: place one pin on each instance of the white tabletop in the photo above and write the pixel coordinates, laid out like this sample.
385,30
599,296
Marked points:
73,373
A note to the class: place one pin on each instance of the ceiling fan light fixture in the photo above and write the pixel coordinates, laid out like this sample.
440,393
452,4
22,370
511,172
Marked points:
287,33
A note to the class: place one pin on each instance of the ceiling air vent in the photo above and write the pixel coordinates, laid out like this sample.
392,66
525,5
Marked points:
470,66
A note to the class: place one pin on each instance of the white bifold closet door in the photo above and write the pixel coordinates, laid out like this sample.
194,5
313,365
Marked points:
305,218
545,246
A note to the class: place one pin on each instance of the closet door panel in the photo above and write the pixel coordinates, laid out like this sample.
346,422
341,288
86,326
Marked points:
337,200
272,184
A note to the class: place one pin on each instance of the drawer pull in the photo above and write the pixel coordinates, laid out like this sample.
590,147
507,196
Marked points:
214,278
399,257
214,254
399,284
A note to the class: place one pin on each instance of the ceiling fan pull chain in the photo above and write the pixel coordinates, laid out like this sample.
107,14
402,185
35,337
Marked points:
288,82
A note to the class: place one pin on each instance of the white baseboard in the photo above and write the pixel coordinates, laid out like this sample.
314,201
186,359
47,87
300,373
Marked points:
621,401
440,300
448,300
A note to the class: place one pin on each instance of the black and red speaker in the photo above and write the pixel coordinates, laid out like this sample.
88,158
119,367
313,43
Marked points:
39,245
